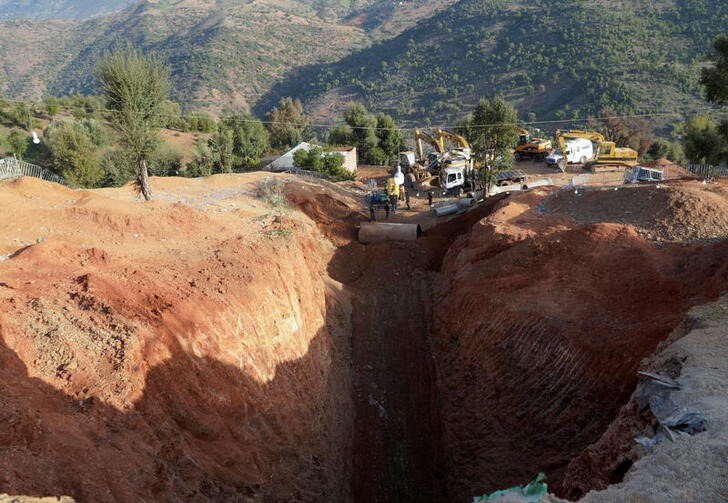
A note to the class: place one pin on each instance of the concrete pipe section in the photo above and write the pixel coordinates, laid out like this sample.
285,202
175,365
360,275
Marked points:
376,232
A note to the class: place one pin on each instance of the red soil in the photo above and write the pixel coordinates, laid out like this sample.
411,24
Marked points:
165,351
538,339
155,352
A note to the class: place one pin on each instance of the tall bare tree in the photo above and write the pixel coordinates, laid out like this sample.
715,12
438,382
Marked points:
136,86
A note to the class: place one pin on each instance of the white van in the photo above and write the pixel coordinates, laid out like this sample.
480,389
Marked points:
578,150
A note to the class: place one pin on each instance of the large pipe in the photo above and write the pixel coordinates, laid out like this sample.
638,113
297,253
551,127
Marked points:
447,209
544,182
376,232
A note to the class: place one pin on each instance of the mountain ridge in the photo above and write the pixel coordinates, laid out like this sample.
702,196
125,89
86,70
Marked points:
416,61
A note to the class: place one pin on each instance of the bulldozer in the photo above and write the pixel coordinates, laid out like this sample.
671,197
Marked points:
607,157
530,148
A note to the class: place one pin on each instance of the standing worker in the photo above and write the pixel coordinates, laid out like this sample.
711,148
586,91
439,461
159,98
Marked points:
392,193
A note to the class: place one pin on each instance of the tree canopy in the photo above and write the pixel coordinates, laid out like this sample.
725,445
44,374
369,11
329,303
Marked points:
715,78
491,130
136,87
287,124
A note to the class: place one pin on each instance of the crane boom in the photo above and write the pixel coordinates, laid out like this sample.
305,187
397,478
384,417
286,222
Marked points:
444,133
421,136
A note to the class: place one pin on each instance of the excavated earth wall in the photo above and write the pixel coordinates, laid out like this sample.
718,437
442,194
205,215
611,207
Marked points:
210,347
157,352
539,332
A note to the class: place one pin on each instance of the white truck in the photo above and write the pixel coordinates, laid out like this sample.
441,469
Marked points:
457,175
578,150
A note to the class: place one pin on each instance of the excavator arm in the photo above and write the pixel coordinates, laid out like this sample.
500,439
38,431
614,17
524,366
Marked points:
523,135
421,136
607,153
460,140
562,136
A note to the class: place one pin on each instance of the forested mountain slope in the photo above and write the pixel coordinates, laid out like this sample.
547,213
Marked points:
414,59
551,58
223,53
59,9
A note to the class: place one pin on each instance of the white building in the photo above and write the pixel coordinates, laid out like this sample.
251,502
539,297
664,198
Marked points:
285,162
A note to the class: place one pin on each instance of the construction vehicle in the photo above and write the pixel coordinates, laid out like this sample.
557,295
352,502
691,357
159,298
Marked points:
456,175
530,148
608,155
643,174
463,145
579,151
451,170
415,165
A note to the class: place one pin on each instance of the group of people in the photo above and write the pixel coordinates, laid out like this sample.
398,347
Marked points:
395,192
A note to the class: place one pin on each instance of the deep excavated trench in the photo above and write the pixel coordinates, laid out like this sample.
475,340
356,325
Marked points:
462,391
204,361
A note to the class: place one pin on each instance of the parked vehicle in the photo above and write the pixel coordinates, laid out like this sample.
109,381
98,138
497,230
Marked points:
578,150
607,157
641,174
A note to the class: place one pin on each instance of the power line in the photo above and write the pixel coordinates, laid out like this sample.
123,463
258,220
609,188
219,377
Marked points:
446,126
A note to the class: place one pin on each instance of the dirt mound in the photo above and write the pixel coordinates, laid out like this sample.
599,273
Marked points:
538,337
685,211
161,351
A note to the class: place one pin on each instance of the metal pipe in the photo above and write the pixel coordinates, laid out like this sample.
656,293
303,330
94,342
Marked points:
540,183
448,209
376,232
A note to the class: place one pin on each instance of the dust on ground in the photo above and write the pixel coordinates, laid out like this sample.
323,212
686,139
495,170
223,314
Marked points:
682,211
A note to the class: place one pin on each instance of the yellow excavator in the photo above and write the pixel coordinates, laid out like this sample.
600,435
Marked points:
530,148
608,155
453,168
442,134
414,164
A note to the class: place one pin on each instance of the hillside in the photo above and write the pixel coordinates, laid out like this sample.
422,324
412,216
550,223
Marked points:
555,59
223,54
59,9
412,59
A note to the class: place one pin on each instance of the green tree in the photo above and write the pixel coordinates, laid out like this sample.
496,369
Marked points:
201,121
704,141
18,142
166,161
316,159
51,105
203,161
390,139
73,153
492,131
222,145
341,136
360,132
117,166
250,139
288,125
21,115
95,131
136,86
704,144
171,115
660,149
715,78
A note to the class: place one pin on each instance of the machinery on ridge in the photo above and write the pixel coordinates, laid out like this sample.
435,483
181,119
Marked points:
530,148
608,155
453,168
